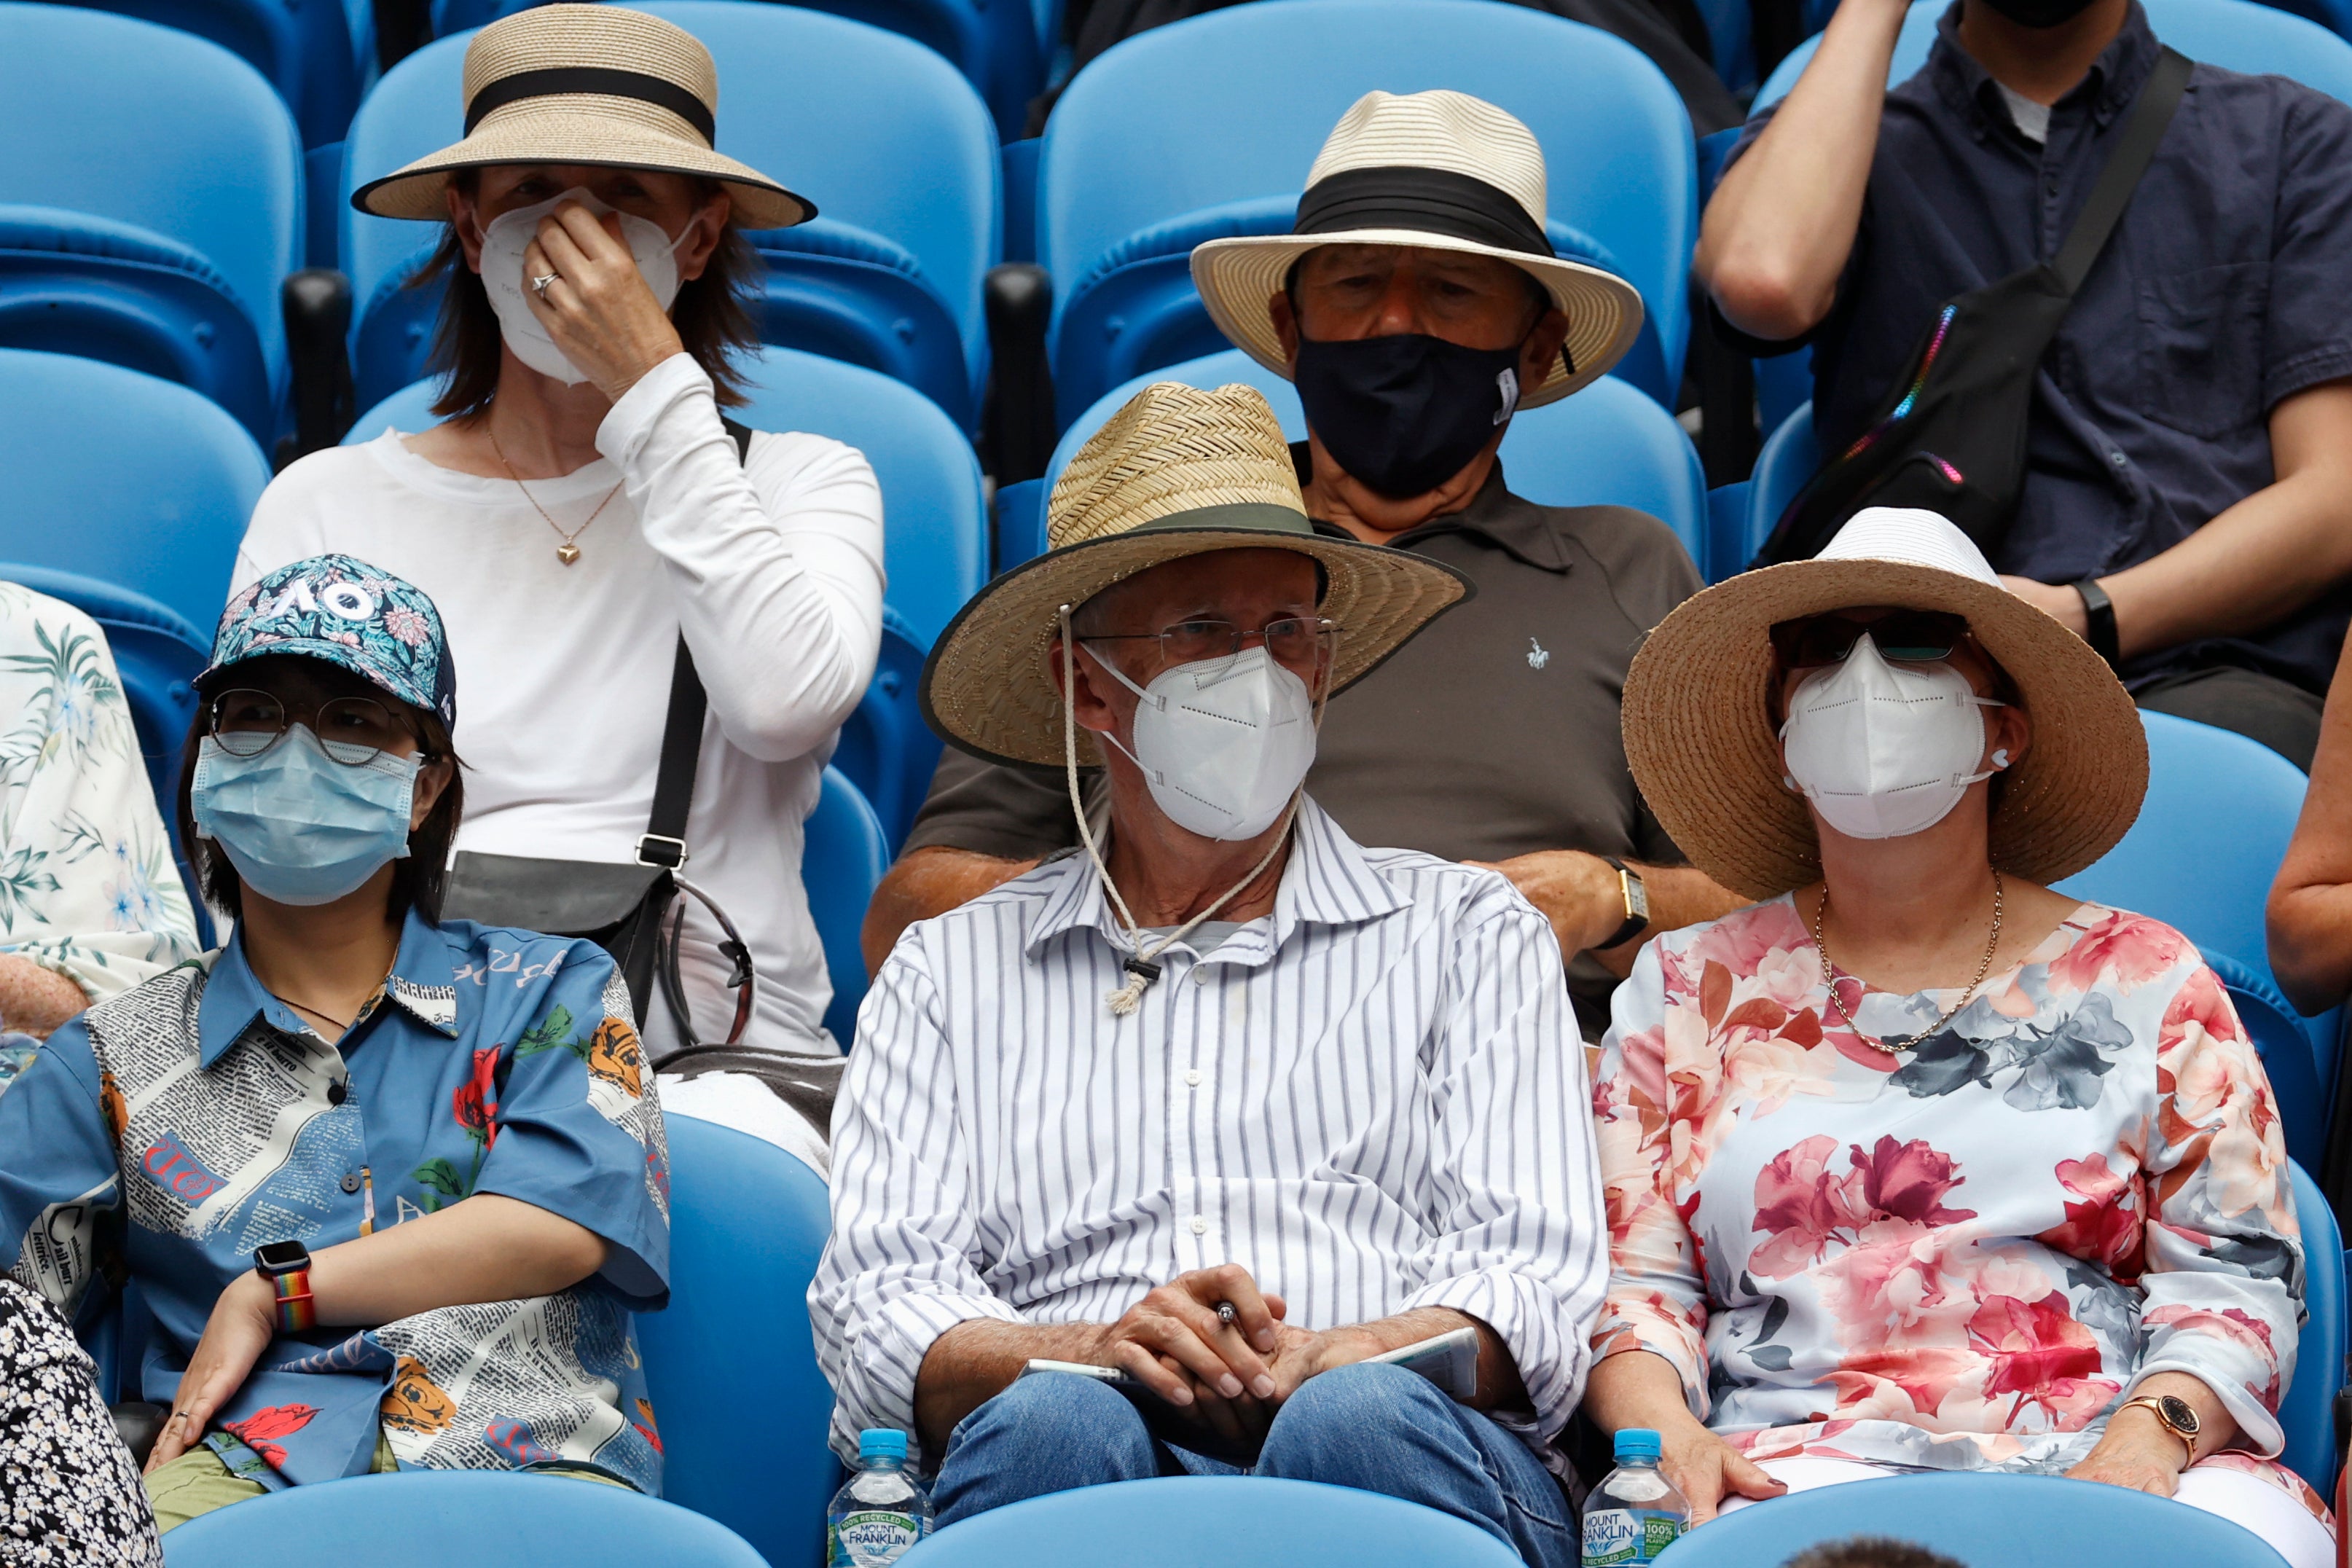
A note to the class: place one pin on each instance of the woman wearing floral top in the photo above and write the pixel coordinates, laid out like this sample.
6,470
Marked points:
1917,1165
391,1187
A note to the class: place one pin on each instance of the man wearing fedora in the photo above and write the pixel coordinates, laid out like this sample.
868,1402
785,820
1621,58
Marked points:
1225,1105
1416,307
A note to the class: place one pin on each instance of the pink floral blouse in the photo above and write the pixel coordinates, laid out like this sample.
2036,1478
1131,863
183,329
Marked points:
1965,1256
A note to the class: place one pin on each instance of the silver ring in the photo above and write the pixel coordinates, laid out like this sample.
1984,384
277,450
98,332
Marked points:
540,284
1226,1314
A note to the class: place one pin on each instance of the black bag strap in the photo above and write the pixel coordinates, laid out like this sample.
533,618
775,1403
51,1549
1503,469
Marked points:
664,843
2151,112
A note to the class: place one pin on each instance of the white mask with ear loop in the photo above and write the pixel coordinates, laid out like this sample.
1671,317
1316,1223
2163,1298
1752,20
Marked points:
1885,750
508,235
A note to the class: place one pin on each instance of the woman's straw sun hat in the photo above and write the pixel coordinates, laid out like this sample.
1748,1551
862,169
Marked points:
1179,471
599,85
1442,171
1699,733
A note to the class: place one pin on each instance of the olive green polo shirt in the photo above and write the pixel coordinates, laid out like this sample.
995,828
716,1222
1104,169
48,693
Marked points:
1492,733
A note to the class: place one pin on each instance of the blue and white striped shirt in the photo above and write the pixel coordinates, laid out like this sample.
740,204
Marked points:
1374,1101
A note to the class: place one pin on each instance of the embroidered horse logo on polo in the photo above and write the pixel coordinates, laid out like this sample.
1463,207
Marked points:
1537,655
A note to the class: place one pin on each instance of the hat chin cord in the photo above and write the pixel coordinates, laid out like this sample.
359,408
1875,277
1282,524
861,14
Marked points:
1142,966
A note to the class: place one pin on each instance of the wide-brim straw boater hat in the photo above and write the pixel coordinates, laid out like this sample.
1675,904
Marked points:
587,84
1700,736
1440,170
1179,471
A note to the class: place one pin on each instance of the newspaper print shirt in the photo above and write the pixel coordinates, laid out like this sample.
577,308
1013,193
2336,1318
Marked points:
196,1117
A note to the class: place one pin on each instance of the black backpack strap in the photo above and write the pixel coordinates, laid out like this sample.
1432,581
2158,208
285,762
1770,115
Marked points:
2151,112
681,749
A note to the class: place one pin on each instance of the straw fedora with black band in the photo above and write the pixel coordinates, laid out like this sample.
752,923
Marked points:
1699,733
598,85
1443,171
1178,472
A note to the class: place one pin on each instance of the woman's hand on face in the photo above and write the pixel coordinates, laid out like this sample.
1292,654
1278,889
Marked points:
1706,1469
2142,1456
600,310
244,1322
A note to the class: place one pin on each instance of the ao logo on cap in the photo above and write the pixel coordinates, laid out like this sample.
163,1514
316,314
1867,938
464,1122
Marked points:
347,600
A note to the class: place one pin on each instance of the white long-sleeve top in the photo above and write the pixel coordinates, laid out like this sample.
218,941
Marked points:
1373,1099
771,569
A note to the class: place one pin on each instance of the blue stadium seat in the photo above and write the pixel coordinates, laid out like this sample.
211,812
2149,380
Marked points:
2233,34
303,46
1788,458
1982,1520
470,1516
158,655
2308,1411
935,544
893,147
886,749
1185,1522
151,204
998,48
1207,126
124,477
843,856
741,1406
1607,443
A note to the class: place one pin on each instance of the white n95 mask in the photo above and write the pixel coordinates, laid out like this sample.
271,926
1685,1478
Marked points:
1223,743
1885,750
509,234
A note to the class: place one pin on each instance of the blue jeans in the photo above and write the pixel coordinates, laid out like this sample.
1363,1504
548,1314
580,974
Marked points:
1375,1429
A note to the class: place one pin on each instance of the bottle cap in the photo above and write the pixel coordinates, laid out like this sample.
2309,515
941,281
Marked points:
1637,1443
887,1443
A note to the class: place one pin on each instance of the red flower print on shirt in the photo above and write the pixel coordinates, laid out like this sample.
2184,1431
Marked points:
1802,1208
2039,1353
2104,1228
274,1421
2128,948
1908,1181
475,1102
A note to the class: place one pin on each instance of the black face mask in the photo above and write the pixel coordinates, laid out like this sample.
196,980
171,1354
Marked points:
1403,414
2040,13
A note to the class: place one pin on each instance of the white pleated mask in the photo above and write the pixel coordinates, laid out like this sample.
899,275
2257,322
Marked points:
1885,750
503,244
1223,743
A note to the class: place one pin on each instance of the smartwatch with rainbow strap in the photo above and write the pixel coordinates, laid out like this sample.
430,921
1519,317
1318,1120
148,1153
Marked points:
287,1264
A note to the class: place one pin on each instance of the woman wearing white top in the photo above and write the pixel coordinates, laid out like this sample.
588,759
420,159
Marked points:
584,507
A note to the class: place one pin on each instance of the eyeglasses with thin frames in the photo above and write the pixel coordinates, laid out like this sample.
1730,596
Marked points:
353,731
1297,641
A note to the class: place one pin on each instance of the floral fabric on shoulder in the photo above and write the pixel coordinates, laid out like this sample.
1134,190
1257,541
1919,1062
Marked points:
1958,1258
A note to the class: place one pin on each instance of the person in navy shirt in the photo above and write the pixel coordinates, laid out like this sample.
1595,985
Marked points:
392,1188
2190,445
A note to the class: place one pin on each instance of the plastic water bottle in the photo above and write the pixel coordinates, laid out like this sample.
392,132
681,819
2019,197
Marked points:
1635,1513
881,1511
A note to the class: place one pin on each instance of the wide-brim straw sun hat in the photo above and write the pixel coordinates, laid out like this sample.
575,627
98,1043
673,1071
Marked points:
1178,472
1443,171
1700,737
600,85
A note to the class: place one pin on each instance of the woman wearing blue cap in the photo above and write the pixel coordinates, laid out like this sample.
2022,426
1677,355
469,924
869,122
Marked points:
391,1187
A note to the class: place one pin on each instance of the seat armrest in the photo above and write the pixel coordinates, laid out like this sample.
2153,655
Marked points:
318,306
1019,298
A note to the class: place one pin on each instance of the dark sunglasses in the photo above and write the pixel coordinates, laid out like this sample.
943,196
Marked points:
1906,636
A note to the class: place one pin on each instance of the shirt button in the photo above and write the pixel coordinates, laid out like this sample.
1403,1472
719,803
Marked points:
1193,1078
1199,977
1200,1225
2118,459
351,1183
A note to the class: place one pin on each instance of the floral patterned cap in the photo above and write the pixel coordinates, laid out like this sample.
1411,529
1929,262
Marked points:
351,614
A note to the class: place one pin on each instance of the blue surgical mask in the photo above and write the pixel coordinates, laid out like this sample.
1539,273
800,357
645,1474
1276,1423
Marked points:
299,826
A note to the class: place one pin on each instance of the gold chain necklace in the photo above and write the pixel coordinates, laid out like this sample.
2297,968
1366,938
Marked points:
566,551
1899,1043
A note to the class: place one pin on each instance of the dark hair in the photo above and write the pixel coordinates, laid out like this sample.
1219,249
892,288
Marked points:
417,881
712,314
1869,1551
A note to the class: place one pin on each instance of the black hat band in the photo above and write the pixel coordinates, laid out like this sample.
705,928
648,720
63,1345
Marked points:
1409,196
602,80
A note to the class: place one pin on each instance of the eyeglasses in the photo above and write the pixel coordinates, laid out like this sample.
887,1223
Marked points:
1905,637
353,731
1294,639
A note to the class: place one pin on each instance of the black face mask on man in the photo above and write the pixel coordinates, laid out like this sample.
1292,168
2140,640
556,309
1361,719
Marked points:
1404,412
2040,13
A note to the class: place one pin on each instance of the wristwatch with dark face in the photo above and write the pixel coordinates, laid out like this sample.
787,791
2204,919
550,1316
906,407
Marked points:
2179,1418
1637,903
287,1264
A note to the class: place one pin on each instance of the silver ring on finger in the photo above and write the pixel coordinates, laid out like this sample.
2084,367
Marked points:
539,285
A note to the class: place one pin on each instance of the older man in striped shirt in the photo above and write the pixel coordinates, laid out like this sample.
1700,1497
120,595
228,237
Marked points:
1232,1105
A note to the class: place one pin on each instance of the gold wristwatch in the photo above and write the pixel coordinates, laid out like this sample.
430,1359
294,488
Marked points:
2179,1418
1637,903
